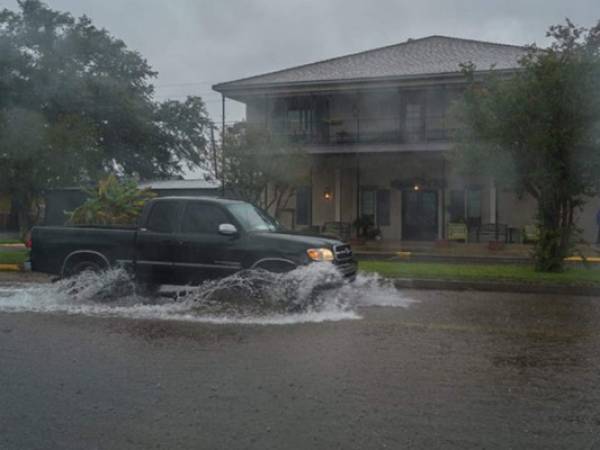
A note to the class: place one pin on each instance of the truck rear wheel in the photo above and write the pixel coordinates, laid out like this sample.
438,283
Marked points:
84,264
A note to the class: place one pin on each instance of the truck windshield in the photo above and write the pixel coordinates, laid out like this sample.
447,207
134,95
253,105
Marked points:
253,218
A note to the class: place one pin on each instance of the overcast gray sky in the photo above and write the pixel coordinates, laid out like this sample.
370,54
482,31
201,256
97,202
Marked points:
196,43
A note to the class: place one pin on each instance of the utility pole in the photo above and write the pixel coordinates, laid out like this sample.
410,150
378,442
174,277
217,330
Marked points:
214,150
223,145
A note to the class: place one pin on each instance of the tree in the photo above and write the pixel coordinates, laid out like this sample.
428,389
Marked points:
538,131
262,169
112,203
76,104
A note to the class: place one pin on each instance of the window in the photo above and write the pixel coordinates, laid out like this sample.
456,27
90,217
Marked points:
253,218
367,203
414,117
299,121
163,217
383,208
457,206
303,205
474,205
203,218
437,106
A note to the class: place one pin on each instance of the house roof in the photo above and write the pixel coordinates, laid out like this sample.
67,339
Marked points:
161,185
180,184
415,58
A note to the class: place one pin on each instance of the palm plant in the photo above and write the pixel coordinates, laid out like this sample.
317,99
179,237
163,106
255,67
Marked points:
112,202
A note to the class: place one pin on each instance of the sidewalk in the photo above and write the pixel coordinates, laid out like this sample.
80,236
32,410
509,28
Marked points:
457,252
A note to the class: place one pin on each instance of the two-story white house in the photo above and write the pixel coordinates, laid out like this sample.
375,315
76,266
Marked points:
378,127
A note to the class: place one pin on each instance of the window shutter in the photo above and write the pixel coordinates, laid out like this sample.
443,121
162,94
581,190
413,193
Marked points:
383,208
303,205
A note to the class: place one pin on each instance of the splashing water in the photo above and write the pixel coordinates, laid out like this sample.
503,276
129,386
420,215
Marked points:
313,293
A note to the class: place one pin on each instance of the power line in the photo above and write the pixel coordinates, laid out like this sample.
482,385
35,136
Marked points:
205,92
191,83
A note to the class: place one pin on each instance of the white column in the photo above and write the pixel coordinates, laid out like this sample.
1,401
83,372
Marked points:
492,202
338,195
441,213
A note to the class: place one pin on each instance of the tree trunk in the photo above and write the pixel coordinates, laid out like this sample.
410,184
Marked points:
556,232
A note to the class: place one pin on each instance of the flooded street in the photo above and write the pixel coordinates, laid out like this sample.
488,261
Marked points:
375,368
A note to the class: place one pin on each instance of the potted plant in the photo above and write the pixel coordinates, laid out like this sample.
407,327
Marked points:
365,228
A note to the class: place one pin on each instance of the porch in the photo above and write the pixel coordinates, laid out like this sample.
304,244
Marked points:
412,197
409,196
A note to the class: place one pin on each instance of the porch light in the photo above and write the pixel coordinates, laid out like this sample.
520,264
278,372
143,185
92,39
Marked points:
327,195
416,187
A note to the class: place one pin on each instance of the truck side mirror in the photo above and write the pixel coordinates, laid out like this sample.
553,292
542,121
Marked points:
227,229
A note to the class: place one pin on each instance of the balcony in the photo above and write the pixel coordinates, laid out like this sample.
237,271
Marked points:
391,130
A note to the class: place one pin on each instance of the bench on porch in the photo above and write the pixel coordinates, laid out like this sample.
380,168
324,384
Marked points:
458,232
492,232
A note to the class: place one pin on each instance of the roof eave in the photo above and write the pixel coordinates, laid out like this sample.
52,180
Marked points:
240,91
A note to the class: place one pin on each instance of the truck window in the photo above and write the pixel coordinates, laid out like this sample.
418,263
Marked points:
203,218
163,217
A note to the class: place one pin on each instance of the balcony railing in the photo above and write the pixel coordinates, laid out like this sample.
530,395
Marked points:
369,131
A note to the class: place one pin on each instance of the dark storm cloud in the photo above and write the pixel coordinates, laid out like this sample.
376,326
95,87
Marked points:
194,44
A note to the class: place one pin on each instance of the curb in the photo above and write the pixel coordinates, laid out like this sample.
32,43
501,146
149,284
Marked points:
456,285
10,268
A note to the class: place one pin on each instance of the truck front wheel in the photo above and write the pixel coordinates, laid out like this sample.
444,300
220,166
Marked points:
276,266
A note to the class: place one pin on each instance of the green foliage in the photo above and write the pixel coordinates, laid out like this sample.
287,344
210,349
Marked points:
261,168
112,203
76,104
13,257
538,132
365,227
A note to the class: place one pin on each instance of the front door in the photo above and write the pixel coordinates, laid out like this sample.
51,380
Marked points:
156,244
419,215
204,252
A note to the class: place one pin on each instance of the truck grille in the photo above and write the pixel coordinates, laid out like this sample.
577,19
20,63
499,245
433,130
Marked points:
342,253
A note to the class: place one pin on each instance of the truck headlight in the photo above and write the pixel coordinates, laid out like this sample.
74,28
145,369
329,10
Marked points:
320,254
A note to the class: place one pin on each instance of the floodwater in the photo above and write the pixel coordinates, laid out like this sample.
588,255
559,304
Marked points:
94,365
313,293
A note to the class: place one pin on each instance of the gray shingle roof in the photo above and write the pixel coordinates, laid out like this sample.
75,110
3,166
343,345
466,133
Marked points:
414,58
180,184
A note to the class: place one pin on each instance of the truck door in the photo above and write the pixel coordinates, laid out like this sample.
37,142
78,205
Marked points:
156,242
204,252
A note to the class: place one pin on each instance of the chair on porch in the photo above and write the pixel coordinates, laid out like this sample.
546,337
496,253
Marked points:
531,233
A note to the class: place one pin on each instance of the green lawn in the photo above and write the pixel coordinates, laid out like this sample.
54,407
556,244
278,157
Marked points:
481,272
10,241
13,257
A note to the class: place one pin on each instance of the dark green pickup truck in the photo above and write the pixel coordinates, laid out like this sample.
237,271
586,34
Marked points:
185,240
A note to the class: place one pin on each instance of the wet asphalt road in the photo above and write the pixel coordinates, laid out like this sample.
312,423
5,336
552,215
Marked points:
456,370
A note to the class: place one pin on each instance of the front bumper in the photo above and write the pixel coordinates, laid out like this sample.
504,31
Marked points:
348,269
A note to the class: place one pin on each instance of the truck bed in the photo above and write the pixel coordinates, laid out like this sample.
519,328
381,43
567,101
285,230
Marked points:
53,244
